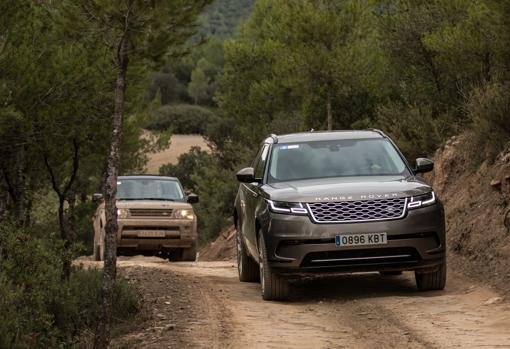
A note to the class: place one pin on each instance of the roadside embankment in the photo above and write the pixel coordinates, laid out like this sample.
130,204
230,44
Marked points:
476,200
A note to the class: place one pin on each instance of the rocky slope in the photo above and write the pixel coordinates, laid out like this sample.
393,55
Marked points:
477,204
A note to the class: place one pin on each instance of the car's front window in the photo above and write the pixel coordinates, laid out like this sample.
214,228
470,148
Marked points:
335,158
149,189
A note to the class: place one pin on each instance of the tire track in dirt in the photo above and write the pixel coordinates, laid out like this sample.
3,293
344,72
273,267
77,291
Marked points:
178,309
210,308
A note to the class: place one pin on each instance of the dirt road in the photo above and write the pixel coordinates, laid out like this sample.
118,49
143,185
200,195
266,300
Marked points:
203,305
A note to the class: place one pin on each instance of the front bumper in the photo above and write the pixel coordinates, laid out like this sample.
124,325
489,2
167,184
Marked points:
297,245
156,234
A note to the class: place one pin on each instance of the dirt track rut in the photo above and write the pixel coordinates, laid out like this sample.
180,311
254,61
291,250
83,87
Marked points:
203,305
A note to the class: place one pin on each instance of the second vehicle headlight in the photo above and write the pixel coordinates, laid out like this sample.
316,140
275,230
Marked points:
122,212
184,214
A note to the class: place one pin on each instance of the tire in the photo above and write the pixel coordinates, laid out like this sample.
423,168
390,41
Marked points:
247,268
432,280
273,286
174,256
390,273
97,253
99,247
189,254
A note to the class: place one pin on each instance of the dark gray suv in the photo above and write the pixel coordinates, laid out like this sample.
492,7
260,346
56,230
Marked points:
342,201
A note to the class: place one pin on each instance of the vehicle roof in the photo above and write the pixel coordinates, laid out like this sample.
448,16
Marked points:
326,136
149,177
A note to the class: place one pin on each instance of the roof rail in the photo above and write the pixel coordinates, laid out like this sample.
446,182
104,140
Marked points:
376,130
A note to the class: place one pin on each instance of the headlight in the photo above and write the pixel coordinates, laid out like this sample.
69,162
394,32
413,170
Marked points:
122,212
422,200
287,207
184,214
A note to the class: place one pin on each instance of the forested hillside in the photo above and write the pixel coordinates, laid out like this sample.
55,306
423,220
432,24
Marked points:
222,17
182,98
422,71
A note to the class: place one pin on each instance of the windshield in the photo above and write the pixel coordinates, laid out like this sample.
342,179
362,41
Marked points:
149,189
338,158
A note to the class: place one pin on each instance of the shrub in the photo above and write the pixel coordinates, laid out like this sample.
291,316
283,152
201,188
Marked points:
489,108
415,130
29,283
204,174
37,308
182,119
217,188
84,228
188,164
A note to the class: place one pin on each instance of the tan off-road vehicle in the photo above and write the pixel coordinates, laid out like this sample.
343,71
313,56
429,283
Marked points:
155,217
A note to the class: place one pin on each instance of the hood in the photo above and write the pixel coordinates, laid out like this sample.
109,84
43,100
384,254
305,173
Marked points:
347,189
152,204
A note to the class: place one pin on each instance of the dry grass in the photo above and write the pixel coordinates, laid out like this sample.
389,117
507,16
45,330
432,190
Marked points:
180,144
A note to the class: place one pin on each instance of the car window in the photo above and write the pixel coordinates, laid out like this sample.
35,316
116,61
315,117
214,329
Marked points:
337,158
261,163
149,189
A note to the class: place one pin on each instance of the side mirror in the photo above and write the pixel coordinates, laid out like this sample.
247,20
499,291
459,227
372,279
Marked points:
192,198
246,175
423,165
97,197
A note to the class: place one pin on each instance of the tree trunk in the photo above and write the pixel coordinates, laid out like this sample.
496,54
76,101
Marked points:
19,185
3,204
328,111
102,335
66,262
66,224
71,216
67,231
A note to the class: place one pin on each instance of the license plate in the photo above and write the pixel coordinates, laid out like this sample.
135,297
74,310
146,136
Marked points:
361,239
151,234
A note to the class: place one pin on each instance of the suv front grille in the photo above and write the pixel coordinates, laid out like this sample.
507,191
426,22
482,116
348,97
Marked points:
150,212
358,211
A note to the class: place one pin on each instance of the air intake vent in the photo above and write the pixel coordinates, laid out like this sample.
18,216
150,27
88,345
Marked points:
150,212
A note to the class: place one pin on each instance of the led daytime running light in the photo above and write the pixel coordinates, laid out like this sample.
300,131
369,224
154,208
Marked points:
295,210
421,203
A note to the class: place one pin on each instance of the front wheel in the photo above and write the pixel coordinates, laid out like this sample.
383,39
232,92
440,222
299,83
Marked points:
274,286
432,280
189,254
99,248
97,253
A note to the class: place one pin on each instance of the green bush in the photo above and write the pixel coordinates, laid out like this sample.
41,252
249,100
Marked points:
414,129
489,111
84,229
29,285
204,174
217,188
182,119
188,164
37,308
